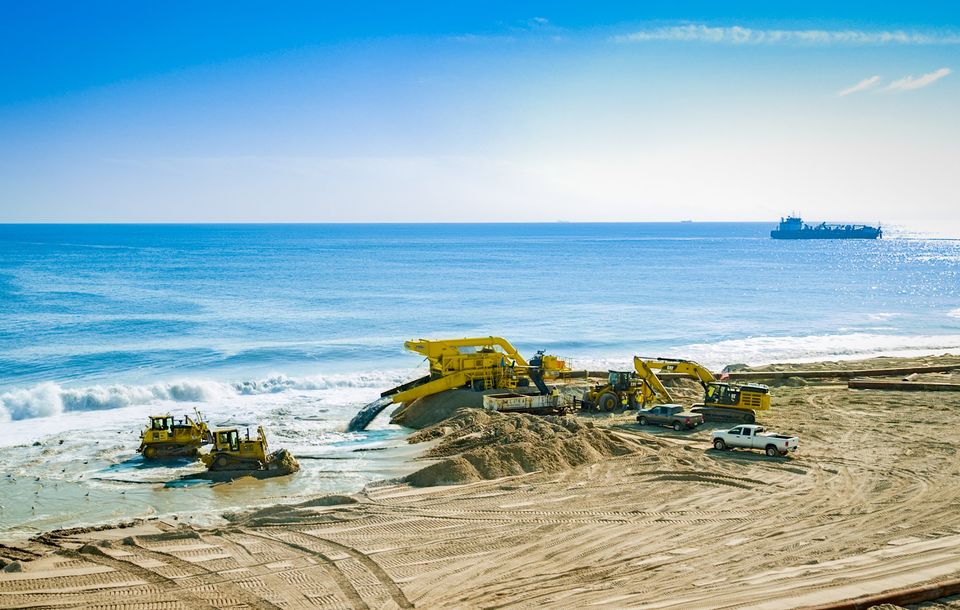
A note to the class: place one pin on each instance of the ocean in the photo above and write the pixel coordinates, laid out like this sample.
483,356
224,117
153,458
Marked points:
297,326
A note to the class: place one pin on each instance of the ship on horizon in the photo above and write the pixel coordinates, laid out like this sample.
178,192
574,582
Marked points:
793,227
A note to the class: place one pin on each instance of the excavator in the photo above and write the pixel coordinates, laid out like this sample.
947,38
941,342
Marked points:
478,363
722,401
166,437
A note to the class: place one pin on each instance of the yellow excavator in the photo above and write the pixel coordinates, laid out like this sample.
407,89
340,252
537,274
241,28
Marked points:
478,363
722,401
166,437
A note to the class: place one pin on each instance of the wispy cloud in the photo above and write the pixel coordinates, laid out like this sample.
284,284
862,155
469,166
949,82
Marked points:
738,35
909,83
861,86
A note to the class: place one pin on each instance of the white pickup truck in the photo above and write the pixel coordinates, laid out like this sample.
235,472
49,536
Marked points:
752,436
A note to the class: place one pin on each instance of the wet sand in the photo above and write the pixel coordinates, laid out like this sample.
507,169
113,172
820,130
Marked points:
869,504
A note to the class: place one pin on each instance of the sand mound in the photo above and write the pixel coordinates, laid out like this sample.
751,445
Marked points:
430,410
282,461
311,511
478,444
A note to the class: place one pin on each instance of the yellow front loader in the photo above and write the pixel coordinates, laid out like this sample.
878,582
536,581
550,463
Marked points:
166,437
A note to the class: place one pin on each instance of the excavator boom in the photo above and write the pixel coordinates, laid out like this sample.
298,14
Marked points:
674,365
722,401
652,383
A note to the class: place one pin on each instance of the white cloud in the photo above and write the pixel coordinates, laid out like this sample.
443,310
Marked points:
908,83
738,35
861,86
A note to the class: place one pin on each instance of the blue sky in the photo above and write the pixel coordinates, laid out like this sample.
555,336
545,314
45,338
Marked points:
242,111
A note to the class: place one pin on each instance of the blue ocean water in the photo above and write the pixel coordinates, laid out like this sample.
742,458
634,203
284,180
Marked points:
138,304
296,326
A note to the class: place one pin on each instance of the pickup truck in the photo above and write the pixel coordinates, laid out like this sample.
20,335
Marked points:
752,436
669,415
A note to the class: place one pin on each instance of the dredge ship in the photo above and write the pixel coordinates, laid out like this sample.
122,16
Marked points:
793,227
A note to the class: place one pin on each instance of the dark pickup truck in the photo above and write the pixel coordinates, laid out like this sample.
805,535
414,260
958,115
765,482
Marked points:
669,415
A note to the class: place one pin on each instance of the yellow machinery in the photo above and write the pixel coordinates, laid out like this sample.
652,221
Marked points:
233,452
722,401
166,437
479,363
624,389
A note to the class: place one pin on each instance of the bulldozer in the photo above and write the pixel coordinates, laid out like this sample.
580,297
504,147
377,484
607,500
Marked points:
166,437
232,452
478,363
722,401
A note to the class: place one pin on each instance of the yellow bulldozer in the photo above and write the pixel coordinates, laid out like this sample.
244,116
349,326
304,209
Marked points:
231,451
478,363
235,452
166,437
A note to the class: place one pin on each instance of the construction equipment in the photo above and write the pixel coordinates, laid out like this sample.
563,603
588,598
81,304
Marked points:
622,389
722,401
166,437
479,363
233,452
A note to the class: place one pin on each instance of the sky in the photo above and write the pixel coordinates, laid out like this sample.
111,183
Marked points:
479,112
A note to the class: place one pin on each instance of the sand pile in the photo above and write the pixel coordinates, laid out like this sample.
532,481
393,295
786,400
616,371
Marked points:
430,410
325,509
282,462
477,444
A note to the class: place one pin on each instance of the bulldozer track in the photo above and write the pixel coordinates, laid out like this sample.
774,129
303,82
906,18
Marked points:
170,586
395,592
206,576
343,582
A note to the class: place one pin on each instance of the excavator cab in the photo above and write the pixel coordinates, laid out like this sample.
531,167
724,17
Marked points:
721,394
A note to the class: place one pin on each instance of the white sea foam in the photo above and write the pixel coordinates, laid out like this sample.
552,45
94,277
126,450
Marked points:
847,346
807,348
49,398
954,313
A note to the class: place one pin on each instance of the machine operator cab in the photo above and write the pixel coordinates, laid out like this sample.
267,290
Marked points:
722,394
620,381
228,440
161,423
750,395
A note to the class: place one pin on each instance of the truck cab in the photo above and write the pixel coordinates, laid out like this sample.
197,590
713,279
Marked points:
669,415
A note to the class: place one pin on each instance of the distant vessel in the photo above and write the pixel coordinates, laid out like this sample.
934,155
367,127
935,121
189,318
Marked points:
792,227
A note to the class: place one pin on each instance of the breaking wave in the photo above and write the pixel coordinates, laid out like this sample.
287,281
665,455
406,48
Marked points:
768,349
845,346
50,398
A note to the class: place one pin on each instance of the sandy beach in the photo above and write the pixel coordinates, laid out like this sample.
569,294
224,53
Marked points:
869,504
